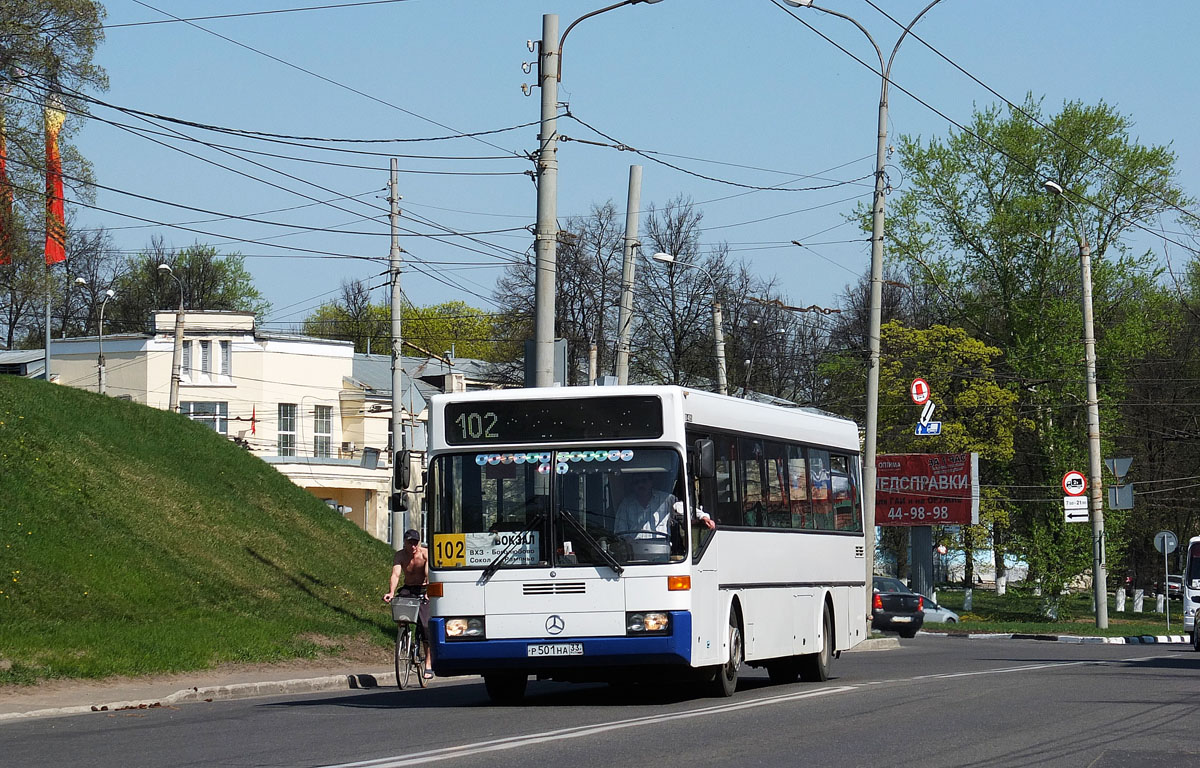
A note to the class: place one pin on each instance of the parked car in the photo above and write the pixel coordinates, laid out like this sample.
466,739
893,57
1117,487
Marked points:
896,608
938,614
1174,587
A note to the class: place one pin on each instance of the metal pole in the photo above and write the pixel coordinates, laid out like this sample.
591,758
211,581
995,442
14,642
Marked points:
1099,577
546,231
399,443
870,440
177,352
46,374
719,337
625,321
100,345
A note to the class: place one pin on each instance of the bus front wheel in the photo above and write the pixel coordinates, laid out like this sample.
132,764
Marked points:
505,688
726,678
814,667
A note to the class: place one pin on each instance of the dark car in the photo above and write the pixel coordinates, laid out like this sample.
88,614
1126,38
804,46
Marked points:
896,608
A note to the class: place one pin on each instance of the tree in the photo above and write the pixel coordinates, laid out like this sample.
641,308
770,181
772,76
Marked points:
210,280
996,256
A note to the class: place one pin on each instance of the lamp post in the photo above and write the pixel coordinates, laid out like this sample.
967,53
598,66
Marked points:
100,342
1096,499
545,238
718,335
177,353
876,311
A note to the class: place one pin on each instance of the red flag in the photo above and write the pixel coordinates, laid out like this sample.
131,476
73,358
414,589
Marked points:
6,201
56,224
252,419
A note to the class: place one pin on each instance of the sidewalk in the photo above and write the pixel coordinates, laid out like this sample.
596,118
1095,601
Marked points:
69,697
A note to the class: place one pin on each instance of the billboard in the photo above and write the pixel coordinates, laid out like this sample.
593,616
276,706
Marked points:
927,489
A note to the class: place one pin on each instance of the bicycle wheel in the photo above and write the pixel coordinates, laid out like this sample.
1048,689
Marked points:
418,660
403,646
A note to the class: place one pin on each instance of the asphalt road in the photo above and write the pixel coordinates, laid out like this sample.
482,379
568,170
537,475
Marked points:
933,702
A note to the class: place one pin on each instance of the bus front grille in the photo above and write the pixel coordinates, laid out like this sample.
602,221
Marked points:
554,588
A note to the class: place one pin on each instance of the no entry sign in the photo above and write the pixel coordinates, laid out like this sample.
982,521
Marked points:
919,390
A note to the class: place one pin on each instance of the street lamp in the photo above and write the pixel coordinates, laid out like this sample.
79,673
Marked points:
108,294
718,335
545,237
1099,577
877,210
177,353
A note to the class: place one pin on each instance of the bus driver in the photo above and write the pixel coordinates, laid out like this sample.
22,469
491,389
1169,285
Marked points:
648,510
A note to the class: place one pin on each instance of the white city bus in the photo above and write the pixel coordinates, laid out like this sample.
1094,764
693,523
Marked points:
542,565
1189,590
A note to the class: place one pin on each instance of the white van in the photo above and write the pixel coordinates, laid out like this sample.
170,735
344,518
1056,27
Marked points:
1190,591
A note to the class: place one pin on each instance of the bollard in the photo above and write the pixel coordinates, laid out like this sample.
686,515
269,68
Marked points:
1001,583
1121,600
967,600
1138,596
1159,601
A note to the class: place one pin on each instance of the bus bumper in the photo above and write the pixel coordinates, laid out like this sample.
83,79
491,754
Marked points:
478,657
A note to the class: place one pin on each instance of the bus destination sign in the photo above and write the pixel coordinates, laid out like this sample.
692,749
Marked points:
492,422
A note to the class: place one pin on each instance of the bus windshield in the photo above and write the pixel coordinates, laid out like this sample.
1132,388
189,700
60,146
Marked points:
603,507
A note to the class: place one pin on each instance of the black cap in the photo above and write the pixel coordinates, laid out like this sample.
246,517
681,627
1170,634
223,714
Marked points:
412,534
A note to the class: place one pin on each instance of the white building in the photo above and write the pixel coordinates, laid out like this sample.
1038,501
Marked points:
310,407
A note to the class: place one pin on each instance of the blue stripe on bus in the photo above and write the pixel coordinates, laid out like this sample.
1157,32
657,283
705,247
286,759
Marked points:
479,656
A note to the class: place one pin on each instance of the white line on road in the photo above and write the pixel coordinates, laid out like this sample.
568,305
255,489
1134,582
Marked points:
515,742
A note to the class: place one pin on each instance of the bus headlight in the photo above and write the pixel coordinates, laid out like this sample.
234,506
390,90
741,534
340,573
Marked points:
465,628
648,623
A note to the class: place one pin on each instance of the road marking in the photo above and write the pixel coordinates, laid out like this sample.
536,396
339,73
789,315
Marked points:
516,742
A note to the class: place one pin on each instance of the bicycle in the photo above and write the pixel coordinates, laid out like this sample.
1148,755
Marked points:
410,650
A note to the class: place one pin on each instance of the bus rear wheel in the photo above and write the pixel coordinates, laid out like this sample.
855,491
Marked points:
725,679
814,667
505,688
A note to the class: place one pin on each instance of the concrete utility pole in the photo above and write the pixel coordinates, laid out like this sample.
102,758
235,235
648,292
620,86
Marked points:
871,428
1096,498
399,441
625,322
546,231
177,353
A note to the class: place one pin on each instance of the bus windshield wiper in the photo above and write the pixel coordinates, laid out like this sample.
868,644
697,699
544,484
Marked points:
608,559
517,538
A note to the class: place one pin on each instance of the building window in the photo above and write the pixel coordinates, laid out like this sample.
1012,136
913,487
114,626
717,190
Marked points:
286,431
185,367
206,358
215,416
226,358
322,430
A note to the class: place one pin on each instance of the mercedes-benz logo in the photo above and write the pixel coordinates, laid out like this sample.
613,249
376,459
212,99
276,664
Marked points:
555,624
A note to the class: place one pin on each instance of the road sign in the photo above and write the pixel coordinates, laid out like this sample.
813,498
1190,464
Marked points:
1165,542
1074,483
1075,509
1118,466
927,412
1120,497
929,428
919,389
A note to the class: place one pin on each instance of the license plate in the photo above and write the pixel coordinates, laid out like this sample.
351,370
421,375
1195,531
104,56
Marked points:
901,619
555,649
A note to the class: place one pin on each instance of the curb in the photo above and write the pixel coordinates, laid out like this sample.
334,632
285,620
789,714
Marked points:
223,693
1130,640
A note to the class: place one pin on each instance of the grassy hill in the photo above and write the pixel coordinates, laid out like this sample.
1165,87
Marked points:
134,541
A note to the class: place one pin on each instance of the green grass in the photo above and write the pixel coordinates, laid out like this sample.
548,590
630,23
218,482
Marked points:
1019,611
134,541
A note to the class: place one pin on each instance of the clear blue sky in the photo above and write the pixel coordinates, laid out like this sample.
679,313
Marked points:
734,90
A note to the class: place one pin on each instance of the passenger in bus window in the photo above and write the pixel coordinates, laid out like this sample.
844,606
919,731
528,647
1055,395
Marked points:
648,510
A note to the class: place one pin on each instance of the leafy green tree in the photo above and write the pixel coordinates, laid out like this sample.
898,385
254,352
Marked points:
211,281
999,258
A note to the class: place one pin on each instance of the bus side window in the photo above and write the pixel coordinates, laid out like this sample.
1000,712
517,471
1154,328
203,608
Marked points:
798,497
726,508
775,461
821,492
752,481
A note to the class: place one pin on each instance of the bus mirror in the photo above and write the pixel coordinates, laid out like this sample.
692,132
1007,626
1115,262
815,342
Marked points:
403,470
704,463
